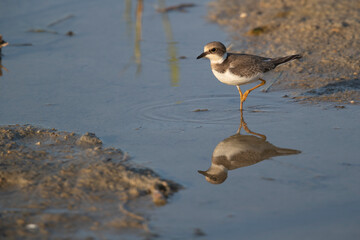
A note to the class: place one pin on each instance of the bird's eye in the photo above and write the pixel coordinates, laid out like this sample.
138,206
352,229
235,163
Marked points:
213,50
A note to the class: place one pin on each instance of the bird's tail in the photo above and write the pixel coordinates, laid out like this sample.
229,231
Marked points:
287,151
281,60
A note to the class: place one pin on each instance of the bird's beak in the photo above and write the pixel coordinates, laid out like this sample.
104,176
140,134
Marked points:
201,55
203,173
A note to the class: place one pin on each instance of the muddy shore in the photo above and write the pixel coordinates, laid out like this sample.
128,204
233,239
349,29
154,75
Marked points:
55,184
324,32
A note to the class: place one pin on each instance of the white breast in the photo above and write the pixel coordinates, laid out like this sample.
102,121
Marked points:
232,79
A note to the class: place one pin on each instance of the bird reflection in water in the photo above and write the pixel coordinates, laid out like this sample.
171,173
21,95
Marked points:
1,68
2,44
239,151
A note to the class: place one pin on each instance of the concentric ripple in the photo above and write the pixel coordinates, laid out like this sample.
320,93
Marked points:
215,109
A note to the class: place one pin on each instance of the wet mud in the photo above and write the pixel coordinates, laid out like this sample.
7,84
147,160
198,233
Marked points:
59,184
324,32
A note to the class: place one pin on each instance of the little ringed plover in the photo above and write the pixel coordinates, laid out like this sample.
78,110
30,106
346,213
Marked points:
239,69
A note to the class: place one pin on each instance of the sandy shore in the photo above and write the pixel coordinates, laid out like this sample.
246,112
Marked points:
324,31
55,183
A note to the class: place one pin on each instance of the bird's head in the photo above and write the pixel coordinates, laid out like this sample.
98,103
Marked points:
214,177
215,51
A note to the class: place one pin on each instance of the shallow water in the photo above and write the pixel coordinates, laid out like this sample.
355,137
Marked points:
140,96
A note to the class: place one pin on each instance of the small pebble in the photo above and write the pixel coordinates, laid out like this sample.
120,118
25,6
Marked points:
201,110
259,30
20,221
345,24
89,139
70,33
158,198
38,143
340,106
198,232
31,226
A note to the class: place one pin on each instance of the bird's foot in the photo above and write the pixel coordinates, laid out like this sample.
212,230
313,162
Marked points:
245,95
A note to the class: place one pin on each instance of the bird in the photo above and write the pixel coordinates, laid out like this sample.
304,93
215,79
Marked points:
239,69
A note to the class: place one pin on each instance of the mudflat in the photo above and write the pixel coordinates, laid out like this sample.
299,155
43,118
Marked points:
53,184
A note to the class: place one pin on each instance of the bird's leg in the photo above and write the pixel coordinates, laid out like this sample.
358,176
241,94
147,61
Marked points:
245,127
241,122
241,97
251,132
248,91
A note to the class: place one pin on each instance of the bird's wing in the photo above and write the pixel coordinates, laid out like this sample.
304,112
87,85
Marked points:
249,65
